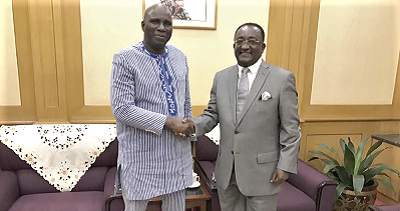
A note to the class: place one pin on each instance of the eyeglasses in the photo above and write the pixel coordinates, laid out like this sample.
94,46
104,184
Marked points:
249,42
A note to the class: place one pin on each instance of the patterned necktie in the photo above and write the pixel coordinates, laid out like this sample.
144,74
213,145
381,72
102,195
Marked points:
243,91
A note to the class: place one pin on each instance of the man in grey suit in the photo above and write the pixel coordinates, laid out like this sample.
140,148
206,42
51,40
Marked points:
256,106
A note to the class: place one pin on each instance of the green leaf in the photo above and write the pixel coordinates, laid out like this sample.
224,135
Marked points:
326,161
333,177
373,148
351,146
366,163
342,144
339,190
387,184
358,183
387,167
383,174
327,156
358,156
328,167
371,173
328,148
343,175
349,160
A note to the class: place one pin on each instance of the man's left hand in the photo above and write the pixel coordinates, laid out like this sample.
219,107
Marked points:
279,176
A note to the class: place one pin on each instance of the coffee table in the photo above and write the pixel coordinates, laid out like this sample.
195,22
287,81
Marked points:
196,200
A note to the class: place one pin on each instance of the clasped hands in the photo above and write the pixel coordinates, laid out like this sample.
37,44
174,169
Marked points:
180,126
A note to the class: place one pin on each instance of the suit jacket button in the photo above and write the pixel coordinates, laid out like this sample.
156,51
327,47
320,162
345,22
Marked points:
236,132
232,152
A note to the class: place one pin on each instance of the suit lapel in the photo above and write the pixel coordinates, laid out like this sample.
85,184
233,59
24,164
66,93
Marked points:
258,83
232,83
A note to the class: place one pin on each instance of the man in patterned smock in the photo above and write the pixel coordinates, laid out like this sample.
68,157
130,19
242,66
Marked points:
149,98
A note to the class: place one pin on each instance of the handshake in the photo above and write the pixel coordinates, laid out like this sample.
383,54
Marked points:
180,126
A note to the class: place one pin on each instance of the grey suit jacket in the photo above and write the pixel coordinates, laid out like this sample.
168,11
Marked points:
266,136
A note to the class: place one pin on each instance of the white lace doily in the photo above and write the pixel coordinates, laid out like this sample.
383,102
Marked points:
60,153
214,134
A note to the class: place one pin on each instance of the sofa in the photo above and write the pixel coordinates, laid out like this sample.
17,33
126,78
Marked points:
23,189
395,207
308,190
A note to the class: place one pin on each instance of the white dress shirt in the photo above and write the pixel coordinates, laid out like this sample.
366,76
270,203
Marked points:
251,74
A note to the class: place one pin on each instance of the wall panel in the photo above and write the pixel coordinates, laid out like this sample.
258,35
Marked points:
357,46
8,58
312,141
314,112
49,79
388,156
288,36
78,112
24,113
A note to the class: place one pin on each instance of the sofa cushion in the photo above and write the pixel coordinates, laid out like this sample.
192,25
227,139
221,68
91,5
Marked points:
30,182
8,189
92,180
290,198
109,156
67,201
9,161
206,149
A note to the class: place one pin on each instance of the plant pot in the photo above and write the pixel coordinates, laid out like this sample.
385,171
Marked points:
348,201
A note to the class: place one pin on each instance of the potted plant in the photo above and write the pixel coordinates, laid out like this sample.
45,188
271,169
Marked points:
356,177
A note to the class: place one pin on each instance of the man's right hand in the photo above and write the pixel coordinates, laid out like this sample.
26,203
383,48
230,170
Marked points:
192,128
177,126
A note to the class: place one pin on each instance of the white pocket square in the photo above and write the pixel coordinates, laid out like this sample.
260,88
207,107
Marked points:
266,96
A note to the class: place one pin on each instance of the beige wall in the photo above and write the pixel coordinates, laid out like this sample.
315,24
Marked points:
9,84
209,51
357,52
108,26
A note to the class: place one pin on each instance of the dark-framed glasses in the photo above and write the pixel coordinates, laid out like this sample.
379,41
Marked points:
251,42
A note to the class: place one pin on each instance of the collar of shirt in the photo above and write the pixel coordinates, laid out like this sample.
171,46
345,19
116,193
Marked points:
165,54
252,73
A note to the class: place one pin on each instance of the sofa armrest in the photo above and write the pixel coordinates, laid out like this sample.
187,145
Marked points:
374,208
9,189
315,184
109,183
114,202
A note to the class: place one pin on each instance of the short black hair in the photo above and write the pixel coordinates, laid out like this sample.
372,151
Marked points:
251,24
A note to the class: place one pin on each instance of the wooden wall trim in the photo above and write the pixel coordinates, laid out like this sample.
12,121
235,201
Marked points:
70,12
345,128
288,31
49,92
